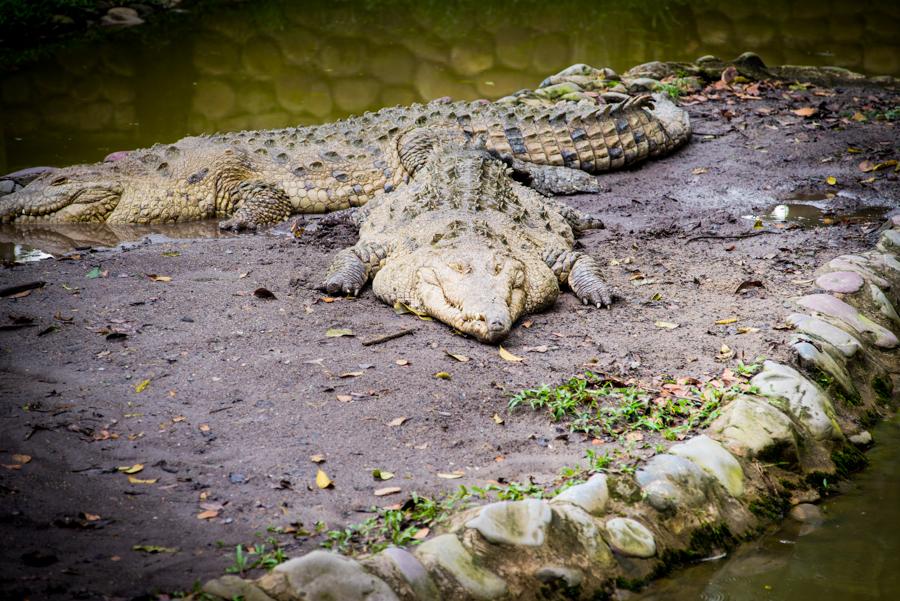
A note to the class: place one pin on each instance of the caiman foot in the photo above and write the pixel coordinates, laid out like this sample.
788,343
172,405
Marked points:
583,275
259,204
238,223
347,275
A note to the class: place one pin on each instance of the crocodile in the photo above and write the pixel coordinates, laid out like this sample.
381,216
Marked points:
256,178
467,244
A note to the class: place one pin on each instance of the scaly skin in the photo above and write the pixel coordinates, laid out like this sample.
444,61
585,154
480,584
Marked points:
468,245
258,178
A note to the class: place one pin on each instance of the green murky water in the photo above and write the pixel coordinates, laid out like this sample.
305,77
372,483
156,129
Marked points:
854,556
274,63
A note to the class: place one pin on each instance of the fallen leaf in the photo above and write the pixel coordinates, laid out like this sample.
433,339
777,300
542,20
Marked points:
666,325
135,480
442,375
93,273
204,427
317,458
746,284
507,356
388,490
497,419
264,294
344,398
21,459
747,330
859,117
634,437
807,111
543,348
91,517
207,515
382,475
241,276
141,386
131,469
421,533
460,358
451,475
171,253
527,323
351,374
323,481
725,353
178,418
154,549
338,332
726,321
831,180
401,362
397,422
699,170
159,278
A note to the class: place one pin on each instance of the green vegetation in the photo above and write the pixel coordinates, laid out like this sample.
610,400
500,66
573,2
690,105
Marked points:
257,556
600,408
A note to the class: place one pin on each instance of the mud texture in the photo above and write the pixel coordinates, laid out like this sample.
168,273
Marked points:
244,390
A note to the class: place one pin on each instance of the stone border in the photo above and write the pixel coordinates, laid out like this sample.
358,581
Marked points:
764,453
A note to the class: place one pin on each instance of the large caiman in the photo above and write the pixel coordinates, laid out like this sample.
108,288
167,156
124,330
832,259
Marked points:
256,178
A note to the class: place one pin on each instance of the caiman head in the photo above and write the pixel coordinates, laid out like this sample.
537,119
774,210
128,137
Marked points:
72,194
480,291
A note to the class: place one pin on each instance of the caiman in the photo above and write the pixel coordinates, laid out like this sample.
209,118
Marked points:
256,178
465,243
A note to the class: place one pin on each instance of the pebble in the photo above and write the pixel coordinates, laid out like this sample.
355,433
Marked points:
121,16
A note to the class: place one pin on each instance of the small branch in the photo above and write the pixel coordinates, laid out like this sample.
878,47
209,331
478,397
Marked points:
386,337
9,291
731,237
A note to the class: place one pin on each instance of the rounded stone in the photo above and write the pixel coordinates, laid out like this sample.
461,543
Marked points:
807,513
715,460
514,522
630,537
754,427
592,496
846,282
805,400
670,483
323,575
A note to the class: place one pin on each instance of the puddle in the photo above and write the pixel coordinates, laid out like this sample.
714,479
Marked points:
33,242
814,210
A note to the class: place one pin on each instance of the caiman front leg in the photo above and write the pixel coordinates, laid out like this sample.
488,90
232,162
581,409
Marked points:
258,204
579,221
583,275
553,179
352,268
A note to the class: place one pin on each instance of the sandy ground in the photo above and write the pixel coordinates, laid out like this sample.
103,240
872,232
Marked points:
243,391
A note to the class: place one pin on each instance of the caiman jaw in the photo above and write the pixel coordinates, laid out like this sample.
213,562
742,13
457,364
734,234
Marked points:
491,323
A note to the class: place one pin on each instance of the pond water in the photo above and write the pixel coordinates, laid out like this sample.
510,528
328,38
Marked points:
274,63
854,556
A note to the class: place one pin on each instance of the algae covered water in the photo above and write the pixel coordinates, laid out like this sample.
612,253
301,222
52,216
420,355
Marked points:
223,66
853,556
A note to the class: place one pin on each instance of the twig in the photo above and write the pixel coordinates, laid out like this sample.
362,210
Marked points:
386,337
731,237
9,291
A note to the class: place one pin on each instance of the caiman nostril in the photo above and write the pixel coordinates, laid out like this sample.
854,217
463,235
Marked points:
496,324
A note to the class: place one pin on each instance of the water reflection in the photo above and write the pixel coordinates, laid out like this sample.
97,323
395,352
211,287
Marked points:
18,240
276,62
854,556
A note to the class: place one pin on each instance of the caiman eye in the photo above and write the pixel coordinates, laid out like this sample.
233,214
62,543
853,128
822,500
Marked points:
460,268
59,180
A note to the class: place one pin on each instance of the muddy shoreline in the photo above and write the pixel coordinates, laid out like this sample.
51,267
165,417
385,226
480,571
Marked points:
243,391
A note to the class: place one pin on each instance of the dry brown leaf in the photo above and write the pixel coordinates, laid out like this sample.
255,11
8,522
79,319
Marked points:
421,533
497,419
806,111
401,362
203,427
136,480
207,515
507,356
317,458
351,374
451,475
699,170
726,321
344,398
666,325
338,332
323,481
387,490
159,278
460,358
397,422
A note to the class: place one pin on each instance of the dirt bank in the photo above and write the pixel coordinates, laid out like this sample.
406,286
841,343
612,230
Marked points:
223,397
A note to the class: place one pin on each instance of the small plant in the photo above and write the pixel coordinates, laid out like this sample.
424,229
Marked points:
256,557
749,370
670,89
